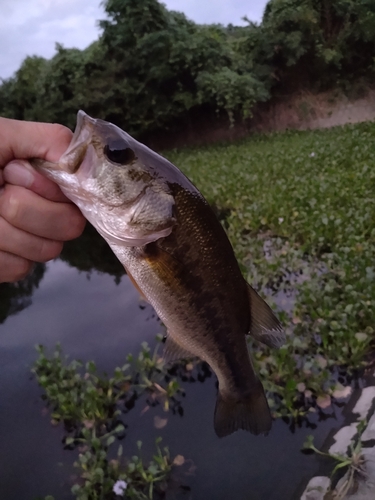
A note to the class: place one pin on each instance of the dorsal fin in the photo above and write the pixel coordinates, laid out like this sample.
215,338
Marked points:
264,326
174,352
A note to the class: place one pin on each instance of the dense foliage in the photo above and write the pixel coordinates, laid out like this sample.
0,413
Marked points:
92,408
153,69
299,210
316,42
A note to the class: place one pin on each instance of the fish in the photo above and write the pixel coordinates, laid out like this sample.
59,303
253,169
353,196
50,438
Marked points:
177,254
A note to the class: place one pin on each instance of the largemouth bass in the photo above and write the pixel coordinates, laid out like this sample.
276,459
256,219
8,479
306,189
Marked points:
178,255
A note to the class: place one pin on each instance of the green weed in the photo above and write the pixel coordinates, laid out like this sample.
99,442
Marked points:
299,209
353,462
92,406
300,213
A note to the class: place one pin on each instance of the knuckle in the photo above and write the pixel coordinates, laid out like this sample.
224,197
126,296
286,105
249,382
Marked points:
21,269
49,250
13,268
76,225
18,269
63,133
10,206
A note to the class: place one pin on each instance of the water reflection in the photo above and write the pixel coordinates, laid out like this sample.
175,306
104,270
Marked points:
100,319
14,297
91,252
93,319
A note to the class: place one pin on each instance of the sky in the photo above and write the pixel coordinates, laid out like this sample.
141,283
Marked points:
32,27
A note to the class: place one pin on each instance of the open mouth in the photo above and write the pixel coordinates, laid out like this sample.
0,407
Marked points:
72,159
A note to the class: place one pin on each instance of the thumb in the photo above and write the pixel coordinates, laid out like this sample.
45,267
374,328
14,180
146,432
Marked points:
21,139
21,173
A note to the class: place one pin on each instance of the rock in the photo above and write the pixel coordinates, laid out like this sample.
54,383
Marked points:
364,402
317,488
364,488
343,438
369,432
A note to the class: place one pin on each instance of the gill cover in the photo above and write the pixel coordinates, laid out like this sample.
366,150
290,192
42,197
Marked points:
122,196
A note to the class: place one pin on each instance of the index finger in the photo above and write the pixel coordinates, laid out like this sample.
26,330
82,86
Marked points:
34,181
23,140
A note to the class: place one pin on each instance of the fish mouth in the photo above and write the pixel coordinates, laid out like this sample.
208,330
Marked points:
73,157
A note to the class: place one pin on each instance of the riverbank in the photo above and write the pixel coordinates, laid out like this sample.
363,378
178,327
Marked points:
308,111
353,448
303,110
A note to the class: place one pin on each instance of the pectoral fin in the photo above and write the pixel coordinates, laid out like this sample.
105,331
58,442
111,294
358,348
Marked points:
264,326
135,284
173,351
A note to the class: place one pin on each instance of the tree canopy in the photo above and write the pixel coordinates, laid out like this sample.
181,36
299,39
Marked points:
154,69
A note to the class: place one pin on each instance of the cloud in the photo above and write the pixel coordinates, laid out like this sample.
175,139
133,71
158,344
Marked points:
224,11
32,27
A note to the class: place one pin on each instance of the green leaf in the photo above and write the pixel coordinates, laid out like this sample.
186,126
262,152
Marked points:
111,440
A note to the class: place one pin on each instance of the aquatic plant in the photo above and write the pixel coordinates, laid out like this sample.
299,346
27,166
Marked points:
353,462
299,209
92,406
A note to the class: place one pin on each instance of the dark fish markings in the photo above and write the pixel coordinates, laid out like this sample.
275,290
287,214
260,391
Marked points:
178,255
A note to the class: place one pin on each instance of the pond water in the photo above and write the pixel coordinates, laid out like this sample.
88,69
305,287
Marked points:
85,302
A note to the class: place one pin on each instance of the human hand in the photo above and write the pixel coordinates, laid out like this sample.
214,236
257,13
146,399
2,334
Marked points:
35,216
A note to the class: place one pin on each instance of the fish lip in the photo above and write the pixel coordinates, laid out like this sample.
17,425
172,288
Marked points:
73,157
82,120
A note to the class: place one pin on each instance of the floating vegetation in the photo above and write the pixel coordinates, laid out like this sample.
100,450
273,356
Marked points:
299,209
92,408
300,212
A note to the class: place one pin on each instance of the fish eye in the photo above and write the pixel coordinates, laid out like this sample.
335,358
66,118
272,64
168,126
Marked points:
119,154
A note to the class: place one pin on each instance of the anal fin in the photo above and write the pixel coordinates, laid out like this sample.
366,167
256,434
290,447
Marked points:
264,326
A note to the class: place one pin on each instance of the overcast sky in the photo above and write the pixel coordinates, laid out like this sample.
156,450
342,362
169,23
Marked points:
32,27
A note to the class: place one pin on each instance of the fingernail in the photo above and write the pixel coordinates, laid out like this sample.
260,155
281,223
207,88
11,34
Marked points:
18,173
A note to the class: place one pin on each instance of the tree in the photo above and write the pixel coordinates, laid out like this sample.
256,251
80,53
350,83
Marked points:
320,41
167,66
19,95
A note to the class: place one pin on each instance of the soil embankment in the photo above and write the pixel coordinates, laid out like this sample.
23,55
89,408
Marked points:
310,111
302,111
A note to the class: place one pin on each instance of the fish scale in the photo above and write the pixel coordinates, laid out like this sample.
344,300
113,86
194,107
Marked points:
178,255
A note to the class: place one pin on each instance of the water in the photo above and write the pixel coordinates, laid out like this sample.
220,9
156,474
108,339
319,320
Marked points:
98,315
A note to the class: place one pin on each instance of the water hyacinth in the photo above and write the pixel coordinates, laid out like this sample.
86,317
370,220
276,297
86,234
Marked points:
89,406
315,260
315,263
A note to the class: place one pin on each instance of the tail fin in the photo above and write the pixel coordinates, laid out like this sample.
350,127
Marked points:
250,414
